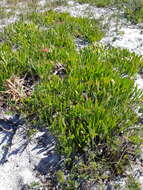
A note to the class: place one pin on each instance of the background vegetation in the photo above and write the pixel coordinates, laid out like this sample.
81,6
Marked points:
133,9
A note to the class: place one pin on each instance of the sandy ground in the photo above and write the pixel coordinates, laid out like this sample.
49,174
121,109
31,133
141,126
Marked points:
23,159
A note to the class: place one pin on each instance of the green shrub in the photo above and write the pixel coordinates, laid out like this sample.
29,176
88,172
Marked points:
93,102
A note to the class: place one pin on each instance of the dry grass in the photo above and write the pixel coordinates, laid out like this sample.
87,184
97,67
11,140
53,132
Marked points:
15,88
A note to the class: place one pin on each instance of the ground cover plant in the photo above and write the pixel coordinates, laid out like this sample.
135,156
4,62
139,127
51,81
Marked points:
86,98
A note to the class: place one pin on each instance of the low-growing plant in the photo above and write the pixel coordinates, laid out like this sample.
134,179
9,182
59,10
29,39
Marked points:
132,184
86,98
134,11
